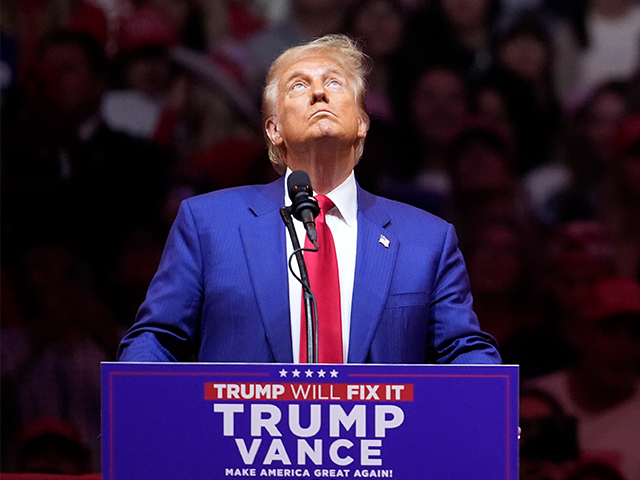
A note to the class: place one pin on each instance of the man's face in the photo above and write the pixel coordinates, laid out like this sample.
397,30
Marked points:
526,56
465,14
439,105
382,26
316,103
69,86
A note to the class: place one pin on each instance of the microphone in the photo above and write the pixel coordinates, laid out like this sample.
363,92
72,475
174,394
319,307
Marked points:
304,207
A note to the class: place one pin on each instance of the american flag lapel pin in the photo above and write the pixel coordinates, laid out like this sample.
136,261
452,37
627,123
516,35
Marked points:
384,241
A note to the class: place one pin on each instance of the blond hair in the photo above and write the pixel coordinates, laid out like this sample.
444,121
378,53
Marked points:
339,48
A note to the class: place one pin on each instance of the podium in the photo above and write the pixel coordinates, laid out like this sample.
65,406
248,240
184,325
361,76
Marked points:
220,421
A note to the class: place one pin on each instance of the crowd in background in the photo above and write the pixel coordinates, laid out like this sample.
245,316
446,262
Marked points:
517,121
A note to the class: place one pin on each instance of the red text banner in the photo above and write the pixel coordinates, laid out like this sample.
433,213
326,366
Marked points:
359,392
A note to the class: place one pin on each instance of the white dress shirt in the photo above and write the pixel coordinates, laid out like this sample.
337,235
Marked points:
343,222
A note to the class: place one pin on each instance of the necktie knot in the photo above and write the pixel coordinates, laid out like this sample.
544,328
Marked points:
325,203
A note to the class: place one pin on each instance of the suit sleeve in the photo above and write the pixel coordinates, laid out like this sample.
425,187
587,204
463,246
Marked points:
167,323
453,326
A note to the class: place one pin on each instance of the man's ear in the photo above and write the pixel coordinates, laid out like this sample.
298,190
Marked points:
272,130
363,125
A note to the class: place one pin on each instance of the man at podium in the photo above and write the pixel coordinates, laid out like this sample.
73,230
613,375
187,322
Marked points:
390,283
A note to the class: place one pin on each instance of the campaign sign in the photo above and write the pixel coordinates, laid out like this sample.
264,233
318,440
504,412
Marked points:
201,421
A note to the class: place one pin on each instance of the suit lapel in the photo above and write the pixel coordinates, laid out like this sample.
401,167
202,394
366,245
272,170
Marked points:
374,269
263,238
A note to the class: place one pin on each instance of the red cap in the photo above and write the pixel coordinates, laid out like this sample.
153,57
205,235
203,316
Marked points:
87,17
612,296
148,26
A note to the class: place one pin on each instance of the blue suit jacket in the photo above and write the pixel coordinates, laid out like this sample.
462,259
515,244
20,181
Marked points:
221,290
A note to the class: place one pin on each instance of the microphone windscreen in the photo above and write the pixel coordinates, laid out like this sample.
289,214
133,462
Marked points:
297,182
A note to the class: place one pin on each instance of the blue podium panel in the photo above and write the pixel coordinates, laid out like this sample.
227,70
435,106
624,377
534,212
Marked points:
202,421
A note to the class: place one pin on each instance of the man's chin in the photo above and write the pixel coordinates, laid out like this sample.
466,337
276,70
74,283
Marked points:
328,128
331,137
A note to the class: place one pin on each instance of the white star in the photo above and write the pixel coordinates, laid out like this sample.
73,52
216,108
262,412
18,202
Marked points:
283,373
321,373
309,373
296,372
334,373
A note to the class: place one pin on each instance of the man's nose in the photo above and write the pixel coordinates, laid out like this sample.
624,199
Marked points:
318,92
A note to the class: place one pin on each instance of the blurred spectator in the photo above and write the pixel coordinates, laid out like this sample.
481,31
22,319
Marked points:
523,72
51,445
596,43
203,25
219,29
503,281
548,444
581,254
307,19
51,362
29,21
578,254
595,120
187,97
494,231
484,187
456,32
431,113
602,389
246,18
65,173
479,140
145,74
567,189
217,146
619,203
197,24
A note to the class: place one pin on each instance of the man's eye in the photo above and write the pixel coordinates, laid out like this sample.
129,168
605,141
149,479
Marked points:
297,86
335,83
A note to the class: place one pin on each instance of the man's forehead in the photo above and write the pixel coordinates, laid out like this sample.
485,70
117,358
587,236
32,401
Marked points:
313,63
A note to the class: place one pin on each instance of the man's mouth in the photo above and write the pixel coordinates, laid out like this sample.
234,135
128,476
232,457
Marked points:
317,112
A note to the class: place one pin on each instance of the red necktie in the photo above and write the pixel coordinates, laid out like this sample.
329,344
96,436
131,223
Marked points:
322,267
